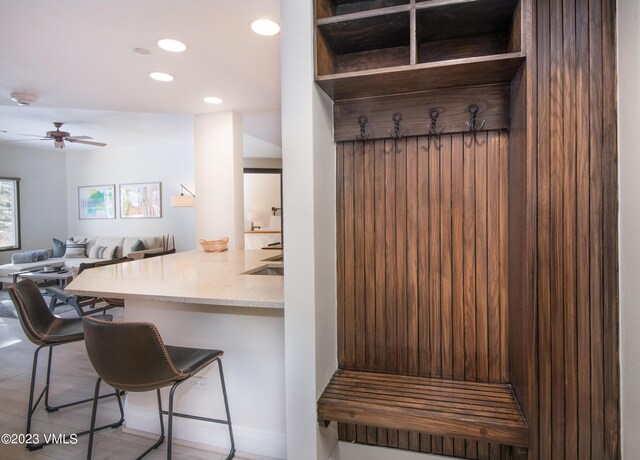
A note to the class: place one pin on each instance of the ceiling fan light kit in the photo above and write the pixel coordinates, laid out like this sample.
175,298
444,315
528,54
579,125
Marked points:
22,98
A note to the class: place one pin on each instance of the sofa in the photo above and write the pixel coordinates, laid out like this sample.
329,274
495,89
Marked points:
123,249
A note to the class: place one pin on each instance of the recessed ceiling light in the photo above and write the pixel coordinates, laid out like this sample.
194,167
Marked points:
169,44
161,76
265,27
141,51
213,100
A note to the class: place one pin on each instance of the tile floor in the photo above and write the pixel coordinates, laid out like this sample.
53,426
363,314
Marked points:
73,378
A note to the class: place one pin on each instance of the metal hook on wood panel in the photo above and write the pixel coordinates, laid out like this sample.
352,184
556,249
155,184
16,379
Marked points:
397,132
363,134
473,122
432,129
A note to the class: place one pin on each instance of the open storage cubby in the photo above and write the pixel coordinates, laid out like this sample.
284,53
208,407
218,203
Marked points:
339,7
395,46
466,29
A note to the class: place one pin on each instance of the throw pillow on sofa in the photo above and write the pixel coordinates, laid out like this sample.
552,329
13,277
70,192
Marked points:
137,246
59,248
103,252
75,249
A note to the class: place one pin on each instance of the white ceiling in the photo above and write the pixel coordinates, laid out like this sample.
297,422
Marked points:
76,54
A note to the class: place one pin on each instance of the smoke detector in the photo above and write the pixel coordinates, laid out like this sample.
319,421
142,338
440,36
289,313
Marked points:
21,98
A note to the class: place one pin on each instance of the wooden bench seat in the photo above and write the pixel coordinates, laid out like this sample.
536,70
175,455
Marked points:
470,410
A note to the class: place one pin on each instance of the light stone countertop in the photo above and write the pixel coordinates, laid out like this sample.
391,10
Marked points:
189,277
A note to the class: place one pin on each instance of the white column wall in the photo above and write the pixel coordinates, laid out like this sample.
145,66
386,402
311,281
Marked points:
629,172
308,158
218,177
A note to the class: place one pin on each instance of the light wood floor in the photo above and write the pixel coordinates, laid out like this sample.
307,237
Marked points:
73,378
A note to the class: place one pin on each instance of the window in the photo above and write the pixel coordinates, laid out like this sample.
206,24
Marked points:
9,214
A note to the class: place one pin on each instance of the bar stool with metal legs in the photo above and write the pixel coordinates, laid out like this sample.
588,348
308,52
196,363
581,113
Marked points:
46,330
132,357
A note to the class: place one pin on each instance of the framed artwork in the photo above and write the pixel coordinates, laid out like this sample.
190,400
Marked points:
97,202
140,200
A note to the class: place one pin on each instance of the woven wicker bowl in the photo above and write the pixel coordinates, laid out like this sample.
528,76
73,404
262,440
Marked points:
215,245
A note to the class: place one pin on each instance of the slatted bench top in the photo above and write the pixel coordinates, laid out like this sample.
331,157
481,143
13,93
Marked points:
470,410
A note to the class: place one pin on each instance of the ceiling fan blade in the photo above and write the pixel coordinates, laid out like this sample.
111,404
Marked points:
72,138
99,144
26,140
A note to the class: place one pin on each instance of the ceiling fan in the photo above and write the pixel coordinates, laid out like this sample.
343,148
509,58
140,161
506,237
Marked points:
59,137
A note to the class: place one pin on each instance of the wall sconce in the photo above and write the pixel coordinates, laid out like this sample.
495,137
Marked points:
182,200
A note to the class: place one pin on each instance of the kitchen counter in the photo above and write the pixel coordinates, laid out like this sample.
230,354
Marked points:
211,278
204,300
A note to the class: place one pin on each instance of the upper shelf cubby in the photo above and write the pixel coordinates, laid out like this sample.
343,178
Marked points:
373,39
454,30
328,8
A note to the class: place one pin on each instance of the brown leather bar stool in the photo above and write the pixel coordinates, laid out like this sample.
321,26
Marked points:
132,357
46,330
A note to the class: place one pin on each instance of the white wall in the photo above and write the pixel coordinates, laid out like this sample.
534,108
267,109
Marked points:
308,159
261,193
169,160
43,203
629,160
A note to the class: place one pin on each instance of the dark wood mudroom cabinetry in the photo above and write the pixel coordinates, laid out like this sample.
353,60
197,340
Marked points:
477,257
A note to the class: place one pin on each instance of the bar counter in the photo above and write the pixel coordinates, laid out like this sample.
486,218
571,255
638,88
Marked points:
205,300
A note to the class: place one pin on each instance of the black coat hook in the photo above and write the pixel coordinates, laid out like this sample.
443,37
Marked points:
432,129
362,135
473,123
397,132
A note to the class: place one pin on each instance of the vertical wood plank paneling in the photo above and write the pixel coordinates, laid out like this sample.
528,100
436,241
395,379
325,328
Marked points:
434,258
390,268
469,269
469,256
390,256
610,235
359,268
349,255
340,252
370,265
582,374
595,226
380,289
413,353
423,256
446,268
544,249
494,255
482,333
457,244
556,203
369,254
380,245
402,357
349,265
503,242
401,255
423,270
582,231
414,206
569,240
